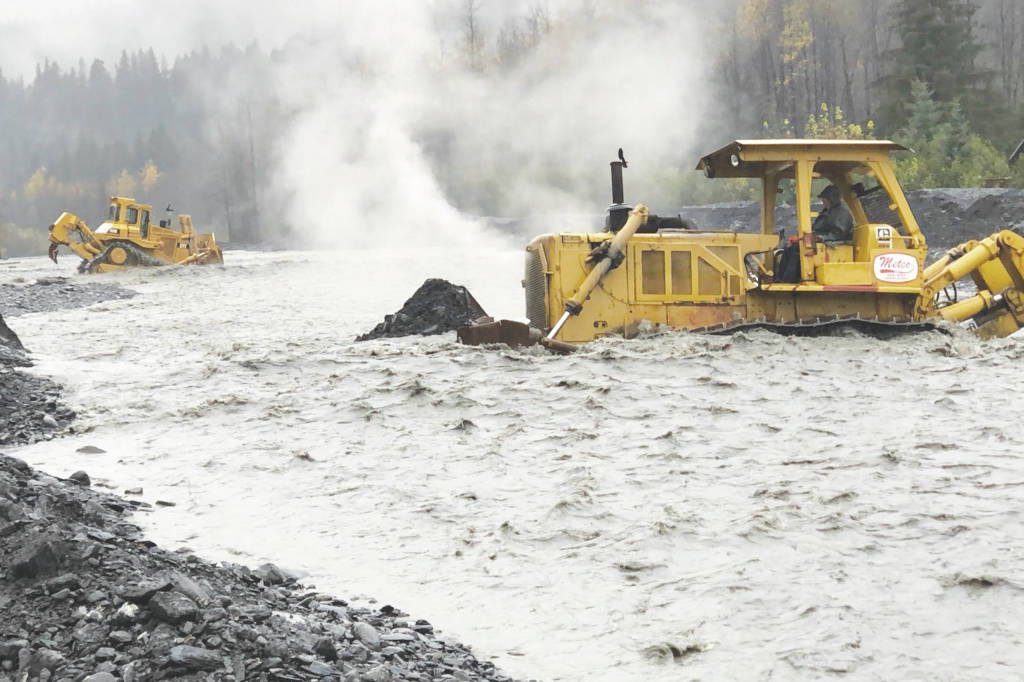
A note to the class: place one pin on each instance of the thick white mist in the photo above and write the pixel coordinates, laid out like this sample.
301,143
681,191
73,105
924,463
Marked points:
391,125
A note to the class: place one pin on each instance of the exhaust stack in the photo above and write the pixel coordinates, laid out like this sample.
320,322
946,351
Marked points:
618,212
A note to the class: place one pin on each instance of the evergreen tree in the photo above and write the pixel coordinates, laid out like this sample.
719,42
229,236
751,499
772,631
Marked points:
938,47
946,152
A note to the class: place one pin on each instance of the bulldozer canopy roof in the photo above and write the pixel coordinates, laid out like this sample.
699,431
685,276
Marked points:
757,158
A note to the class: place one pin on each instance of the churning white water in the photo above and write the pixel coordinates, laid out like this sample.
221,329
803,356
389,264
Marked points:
672,507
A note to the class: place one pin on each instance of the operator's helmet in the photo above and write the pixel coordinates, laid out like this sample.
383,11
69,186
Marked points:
832,194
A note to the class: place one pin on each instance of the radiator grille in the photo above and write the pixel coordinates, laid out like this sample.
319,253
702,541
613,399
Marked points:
536,285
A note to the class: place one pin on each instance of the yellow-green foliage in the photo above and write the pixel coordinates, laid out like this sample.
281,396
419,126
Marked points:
44,196
828,123
16,240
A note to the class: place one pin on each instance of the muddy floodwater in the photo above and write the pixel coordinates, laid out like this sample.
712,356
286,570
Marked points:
674,507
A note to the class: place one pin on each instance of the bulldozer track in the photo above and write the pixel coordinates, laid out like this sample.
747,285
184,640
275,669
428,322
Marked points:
136,256
822,326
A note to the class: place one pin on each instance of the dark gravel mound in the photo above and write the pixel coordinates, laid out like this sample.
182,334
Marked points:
946,216
56,293
951,216
85,597
438,306
30,408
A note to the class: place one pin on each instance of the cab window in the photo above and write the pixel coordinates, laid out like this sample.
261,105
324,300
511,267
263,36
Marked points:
145,220
131,216
113,215
878,206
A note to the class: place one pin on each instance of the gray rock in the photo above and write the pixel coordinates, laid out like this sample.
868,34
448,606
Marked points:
37,560
141,593
126,613
9,649
45,659
9,510
376,674
128,672
356,652
81,478
173,607
195,658
66,580
90,450
91,633
325,648
48,420
100,677
190,588
215,614
321,669
100,535
270,574
121,636
367,634
105,653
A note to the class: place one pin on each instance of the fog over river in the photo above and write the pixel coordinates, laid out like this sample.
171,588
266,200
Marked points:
673,507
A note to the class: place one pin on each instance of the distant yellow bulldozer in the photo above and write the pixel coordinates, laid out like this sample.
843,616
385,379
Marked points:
128,239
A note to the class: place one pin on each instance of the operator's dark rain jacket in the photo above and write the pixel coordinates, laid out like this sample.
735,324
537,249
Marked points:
833,224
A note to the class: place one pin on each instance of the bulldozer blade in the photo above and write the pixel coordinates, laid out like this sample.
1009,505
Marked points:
556,346
487,331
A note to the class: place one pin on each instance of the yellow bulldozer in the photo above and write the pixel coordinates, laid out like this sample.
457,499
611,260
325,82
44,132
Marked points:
665,272
129,239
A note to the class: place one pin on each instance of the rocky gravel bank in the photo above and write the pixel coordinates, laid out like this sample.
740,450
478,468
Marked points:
56,293
85,598
30,407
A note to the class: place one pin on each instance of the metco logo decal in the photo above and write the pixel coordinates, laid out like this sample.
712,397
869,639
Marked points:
895,267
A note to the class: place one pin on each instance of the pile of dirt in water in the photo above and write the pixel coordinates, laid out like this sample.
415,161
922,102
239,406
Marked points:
30,407
83,596
438,306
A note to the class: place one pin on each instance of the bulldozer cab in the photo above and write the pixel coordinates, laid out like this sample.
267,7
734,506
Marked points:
886,251
126,217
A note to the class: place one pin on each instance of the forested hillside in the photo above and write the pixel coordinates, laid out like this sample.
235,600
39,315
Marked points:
74,136
210,130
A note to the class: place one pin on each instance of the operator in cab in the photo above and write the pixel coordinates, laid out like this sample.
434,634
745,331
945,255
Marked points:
833,224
